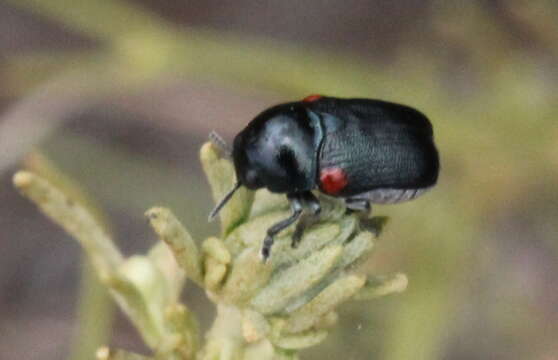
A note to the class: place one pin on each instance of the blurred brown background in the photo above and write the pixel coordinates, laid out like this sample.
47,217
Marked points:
121,94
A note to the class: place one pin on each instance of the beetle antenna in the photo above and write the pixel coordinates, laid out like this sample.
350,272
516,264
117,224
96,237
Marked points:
220,143
223,201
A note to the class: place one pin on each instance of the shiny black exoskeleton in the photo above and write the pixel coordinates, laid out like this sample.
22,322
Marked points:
364,151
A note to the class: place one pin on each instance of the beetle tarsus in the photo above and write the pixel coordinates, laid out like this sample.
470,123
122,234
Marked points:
296,207
266,247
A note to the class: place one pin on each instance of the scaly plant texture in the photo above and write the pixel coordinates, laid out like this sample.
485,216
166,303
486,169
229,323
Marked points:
264,310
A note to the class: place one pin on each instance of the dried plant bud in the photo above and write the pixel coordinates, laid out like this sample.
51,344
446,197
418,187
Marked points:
179,241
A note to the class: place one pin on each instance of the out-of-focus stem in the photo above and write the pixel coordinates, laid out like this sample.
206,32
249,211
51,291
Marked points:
73,218
95,314
95,308
78,221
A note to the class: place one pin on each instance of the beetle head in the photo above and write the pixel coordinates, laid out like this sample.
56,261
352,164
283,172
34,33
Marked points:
278,150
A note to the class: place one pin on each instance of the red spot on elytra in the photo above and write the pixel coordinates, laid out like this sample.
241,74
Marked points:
332,180
311,98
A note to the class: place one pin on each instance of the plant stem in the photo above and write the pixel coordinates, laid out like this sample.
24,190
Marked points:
224,340
95,314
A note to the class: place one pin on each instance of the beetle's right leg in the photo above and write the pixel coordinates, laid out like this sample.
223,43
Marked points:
221,144
296,208
312,205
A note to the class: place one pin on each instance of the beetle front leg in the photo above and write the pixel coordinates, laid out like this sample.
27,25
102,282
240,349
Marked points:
296,207
312,205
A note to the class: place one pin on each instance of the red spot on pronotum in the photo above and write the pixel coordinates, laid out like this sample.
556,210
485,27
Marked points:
332,180
311,98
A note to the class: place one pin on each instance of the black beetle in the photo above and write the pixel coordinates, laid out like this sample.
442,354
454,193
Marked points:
362,150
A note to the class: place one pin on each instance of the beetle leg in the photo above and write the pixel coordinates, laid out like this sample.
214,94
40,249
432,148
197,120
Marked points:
312,204
358,204
296,207
306,220
220,143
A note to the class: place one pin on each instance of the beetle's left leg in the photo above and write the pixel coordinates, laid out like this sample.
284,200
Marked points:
296,207
218,141
312,205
